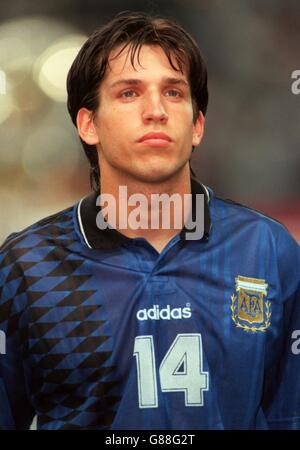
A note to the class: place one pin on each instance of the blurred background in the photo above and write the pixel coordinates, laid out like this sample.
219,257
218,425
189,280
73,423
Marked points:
250,152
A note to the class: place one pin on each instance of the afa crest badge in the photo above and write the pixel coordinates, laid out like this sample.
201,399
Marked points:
250,308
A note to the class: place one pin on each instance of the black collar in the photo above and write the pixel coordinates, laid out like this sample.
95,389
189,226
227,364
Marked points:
96,238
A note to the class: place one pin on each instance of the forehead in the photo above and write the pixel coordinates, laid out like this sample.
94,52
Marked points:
149,60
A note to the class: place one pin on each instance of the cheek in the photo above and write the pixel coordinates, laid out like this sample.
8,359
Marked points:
187,127
116,124
183,118
113,136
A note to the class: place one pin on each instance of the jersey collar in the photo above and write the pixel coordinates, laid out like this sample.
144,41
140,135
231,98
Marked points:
96,238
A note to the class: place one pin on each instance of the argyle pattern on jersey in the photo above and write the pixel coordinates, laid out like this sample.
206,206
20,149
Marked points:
53,311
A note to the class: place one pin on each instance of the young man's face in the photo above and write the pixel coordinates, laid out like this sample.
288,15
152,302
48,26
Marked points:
150,98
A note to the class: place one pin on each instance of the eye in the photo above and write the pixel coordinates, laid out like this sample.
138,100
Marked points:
128,94
173,93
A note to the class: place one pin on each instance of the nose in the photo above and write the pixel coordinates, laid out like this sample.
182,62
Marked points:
153,110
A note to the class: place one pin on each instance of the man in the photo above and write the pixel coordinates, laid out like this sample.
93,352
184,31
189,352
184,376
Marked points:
129,327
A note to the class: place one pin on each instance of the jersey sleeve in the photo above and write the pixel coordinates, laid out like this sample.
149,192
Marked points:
283,397
16,411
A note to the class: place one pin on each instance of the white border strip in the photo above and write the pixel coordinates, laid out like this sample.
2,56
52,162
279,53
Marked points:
80,224
252,286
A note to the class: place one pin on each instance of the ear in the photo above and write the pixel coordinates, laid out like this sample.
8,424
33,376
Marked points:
86,127
198,130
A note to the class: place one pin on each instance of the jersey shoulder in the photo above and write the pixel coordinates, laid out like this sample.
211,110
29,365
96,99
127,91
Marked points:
43,232
255,231
33,256
240,213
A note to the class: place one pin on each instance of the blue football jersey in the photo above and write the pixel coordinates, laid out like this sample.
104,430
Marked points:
100,331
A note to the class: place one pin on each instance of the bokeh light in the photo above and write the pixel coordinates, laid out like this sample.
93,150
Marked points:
51,68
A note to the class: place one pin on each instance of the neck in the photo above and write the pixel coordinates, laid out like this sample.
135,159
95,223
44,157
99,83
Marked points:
145,209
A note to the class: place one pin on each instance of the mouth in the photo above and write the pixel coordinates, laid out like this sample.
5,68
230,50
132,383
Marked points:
155,139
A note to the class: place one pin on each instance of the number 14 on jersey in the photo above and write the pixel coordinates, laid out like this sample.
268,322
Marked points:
180,370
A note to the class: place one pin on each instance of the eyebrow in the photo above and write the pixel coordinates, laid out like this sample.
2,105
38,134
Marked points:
136,82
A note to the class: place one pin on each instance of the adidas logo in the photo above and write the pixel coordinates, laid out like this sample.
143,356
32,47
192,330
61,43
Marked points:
166,313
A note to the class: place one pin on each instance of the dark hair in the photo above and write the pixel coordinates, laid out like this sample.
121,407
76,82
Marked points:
133,30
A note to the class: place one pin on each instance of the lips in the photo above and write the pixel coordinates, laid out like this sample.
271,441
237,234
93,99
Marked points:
155,139
155,135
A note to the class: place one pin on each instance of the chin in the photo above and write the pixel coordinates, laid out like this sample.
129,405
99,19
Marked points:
157,174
